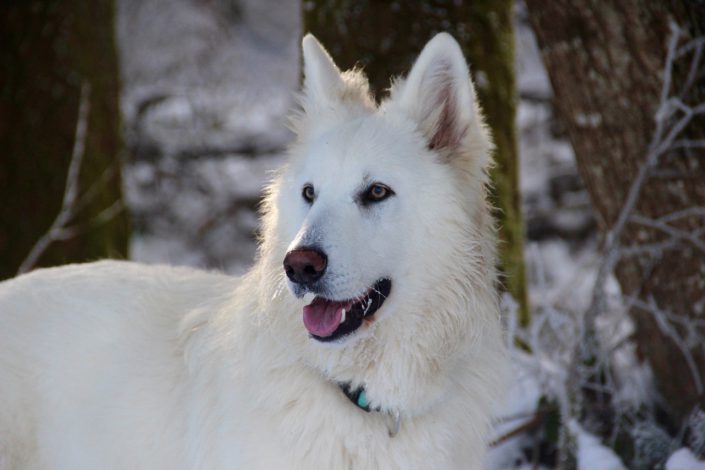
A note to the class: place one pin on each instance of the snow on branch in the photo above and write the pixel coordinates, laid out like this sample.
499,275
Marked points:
667,137
666,322
572,355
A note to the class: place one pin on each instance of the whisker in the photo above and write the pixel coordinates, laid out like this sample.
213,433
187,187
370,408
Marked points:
381,295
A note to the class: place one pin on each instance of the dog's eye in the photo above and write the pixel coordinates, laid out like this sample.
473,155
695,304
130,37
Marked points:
377,192
308,193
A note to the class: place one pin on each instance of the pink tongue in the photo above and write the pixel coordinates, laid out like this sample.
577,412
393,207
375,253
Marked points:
322,317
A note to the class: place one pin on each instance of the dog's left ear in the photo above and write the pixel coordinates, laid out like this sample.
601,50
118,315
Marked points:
439,96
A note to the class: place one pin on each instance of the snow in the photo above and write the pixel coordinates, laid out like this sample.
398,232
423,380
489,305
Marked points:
197,212
591,453
532,79
683,459
206,90
520,405
216,75
588,120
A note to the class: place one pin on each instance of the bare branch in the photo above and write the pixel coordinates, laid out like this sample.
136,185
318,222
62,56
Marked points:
691,45
694,66
688,144
71,187
660,317
89,195
650,249
659,145
570,355
683,213
673,232
532,423
79,147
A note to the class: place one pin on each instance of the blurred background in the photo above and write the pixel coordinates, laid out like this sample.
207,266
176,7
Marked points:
146,130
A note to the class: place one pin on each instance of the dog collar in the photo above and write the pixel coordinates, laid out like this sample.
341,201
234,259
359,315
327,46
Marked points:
358,397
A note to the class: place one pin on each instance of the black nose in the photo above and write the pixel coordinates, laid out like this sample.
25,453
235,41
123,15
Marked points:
305,265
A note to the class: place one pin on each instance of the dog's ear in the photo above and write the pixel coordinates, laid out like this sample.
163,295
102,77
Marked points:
322,78
329,95
439,96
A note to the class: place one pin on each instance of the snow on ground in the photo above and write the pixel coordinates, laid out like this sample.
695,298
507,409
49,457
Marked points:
592,454
683,459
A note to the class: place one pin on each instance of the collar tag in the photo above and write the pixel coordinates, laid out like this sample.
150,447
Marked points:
393,422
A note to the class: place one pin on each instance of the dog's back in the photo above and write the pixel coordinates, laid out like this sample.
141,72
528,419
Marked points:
91,344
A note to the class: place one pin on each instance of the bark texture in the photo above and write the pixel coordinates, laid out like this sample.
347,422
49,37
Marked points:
384,38
606,61
49,48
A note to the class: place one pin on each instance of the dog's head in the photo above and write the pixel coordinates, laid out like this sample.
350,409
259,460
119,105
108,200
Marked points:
382,207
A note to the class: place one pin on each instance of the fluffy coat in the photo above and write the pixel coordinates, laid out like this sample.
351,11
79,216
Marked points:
120,365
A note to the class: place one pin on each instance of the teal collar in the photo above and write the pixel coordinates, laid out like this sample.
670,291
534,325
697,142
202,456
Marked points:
358,397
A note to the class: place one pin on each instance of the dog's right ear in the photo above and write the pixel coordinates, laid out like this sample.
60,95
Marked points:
329,95
322,79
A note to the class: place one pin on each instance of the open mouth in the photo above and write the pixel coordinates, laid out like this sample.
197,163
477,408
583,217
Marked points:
327,320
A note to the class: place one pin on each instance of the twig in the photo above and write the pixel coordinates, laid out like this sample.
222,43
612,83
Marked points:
532,423
667,229
660,317
71,188
106,215
567,357
658,145
688,144
692,73
89,195
683,213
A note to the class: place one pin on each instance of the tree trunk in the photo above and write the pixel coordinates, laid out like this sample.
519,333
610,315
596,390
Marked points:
606,64
385,37
49,49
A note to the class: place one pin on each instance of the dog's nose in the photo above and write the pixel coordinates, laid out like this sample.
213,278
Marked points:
305,265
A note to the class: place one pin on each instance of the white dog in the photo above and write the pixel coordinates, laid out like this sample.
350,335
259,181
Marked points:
366,336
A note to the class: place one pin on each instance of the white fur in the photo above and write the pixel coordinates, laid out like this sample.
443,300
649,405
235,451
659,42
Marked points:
119,365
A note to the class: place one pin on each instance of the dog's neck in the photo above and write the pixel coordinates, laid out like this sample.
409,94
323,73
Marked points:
358,397
401,372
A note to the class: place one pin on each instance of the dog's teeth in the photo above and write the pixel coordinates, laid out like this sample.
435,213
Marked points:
308,297
342,318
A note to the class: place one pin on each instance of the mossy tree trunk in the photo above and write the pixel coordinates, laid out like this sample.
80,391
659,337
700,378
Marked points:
384,37
606,64
49,50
